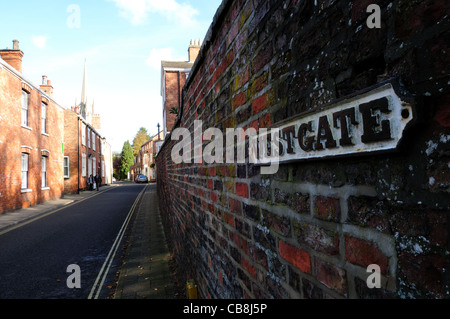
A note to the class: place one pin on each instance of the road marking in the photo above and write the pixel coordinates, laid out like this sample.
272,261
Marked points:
99,281
33,219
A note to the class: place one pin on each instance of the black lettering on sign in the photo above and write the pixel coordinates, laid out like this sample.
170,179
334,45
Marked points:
288,135
306,143
340,120
324,132
374,131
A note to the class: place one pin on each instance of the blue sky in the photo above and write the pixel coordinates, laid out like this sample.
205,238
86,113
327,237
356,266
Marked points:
123,42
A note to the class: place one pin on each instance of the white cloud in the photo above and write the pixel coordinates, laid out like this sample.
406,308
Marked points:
40,41
137,11
158,55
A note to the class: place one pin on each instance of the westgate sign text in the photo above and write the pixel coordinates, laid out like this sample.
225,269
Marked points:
369,121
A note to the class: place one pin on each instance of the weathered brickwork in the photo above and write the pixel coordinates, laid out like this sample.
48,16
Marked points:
31,139
312,229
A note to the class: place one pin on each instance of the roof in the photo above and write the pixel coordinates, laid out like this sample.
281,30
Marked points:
9,68
176,64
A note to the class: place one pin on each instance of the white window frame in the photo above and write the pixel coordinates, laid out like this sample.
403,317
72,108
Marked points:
89,137
94,166
66,166
83,165
89,166
93,141
25,108
25,160
44,183
83,134
44,108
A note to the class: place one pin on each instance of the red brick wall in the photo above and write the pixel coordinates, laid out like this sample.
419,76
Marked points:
71,139
13,137
311,230
174,84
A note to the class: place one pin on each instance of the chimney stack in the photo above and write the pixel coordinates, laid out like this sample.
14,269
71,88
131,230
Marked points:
46,86
194,49
13,57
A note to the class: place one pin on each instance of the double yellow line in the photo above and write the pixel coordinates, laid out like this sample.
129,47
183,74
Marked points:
100,280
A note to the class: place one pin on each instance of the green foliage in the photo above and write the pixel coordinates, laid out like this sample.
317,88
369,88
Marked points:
140,138
127,160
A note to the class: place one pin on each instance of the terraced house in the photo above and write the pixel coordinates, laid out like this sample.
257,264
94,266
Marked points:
86,151
31,137
46,149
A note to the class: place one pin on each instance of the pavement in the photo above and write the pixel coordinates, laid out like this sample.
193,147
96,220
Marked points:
145,272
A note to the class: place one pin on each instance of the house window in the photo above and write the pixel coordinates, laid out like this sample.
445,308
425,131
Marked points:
44,118
90,166
25,158
66,167
83,134
94,166
93,141
44,172
24,108
83,165
89,137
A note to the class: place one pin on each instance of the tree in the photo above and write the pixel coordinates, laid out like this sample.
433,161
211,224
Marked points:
127,159
140,138
117,161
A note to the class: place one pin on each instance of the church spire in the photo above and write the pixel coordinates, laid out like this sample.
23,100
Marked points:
83,104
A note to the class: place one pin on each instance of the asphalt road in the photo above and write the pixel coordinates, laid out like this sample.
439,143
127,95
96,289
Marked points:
34,258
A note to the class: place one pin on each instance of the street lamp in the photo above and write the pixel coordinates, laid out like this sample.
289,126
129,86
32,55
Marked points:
158,131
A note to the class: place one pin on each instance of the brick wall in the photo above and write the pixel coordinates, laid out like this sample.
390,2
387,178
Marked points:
74,149
15,139
71,141
174,83
312,229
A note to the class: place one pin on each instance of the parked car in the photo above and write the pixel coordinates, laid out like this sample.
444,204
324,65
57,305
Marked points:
141,179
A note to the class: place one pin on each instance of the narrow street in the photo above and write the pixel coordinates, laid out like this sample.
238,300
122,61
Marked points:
34,258
247,151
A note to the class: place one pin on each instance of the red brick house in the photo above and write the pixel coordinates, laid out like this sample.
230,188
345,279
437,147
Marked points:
31,137
173,78
148,152
82,152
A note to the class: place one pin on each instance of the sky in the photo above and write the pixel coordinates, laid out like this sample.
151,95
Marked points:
122,42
